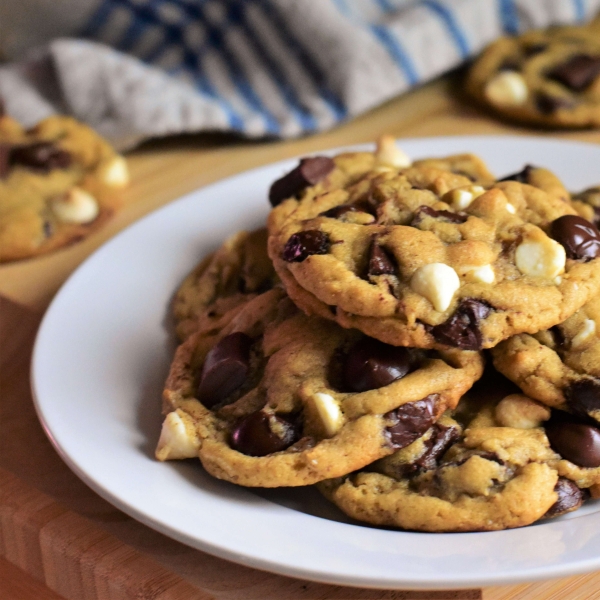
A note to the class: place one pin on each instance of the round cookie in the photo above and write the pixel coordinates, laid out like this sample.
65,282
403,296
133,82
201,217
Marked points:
489,467
235,273
422,257
278,398
549,78
59,181
559,366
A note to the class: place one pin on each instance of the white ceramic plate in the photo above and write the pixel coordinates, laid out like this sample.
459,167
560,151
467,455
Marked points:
102,355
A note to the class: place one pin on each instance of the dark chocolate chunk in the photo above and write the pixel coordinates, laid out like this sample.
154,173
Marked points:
225,369
548,104
303,244
371,364
309,172
441,439
338,211
596,217
533,49
521,176
444,215
578,72
4,160
380,262
43,156
570,497
579,237
260,434
574,440
410,421
583,396
461,330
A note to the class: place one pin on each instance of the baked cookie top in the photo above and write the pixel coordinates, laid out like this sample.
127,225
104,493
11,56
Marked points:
559,366
278,398
587,204
423,257
490,465
550,78
58,182
233,274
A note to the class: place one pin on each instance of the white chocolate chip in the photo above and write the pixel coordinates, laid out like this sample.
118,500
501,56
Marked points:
558,280
462,198
540,256
508,88
178,438
483,274
76,206
511,209
520,411
387,153
587,332
329,412
437,282
114,172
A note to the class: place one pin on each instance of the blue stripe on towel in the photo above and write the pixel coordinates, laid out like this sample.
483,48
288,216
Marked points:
509,16
579,9
449,20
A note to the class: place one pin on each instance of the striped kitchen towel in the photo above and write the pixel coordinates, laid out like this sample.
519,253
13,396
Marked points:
135,69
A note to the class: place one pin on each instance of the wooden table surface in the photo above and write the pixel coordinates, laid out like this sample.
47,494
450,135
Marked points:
57,538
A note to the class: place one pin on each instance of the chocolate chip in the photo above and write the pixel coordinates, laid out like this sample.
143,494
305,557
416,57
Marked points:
410,421
338,211
225,369
596,217
579,237
534,49
4,160
570,497
371,364
461,330
583,396
380,262
578,72
441,439
309,172
43,156
303,244
521,176
574,440
260,434
444,215
548,104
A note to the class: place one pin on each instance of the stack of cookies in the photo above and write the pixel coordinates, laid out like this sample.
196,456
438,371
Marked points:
418,339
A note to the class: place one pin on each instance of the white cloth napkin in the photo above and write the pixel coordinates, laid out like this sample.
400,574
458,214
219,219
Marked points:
135,69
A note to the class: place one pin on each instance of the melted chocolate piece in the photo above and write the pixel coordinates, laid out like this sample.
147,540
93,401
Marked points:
225,369
441,439
578,72
521,176
380,262
534,49
260,434
4,160
596,217
548,104
574,440
583,396
579,237
338,211
303,244
444,215
570,497
371,364
309,172
461,330
42,156
410,421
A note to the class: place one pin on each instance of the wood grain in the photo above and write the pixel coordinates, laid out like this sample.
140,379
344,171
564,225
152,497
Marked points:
62,535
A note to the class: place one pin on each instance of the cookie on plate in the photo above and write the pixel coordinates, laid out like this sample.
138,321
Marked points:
488,466
423,257
59,181
278,398
233,274
549,78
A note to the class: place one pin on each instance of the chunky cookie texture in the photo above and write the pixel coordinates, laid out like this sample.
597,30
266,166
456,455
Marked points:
58,182
549,78
424,257
221,283
278,398
559,366
493,463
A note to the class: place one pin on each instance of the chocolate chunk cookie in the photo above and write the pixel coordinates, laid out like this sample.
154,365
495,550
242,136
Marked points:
58,182
423,257
549,78
278,398
496,462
